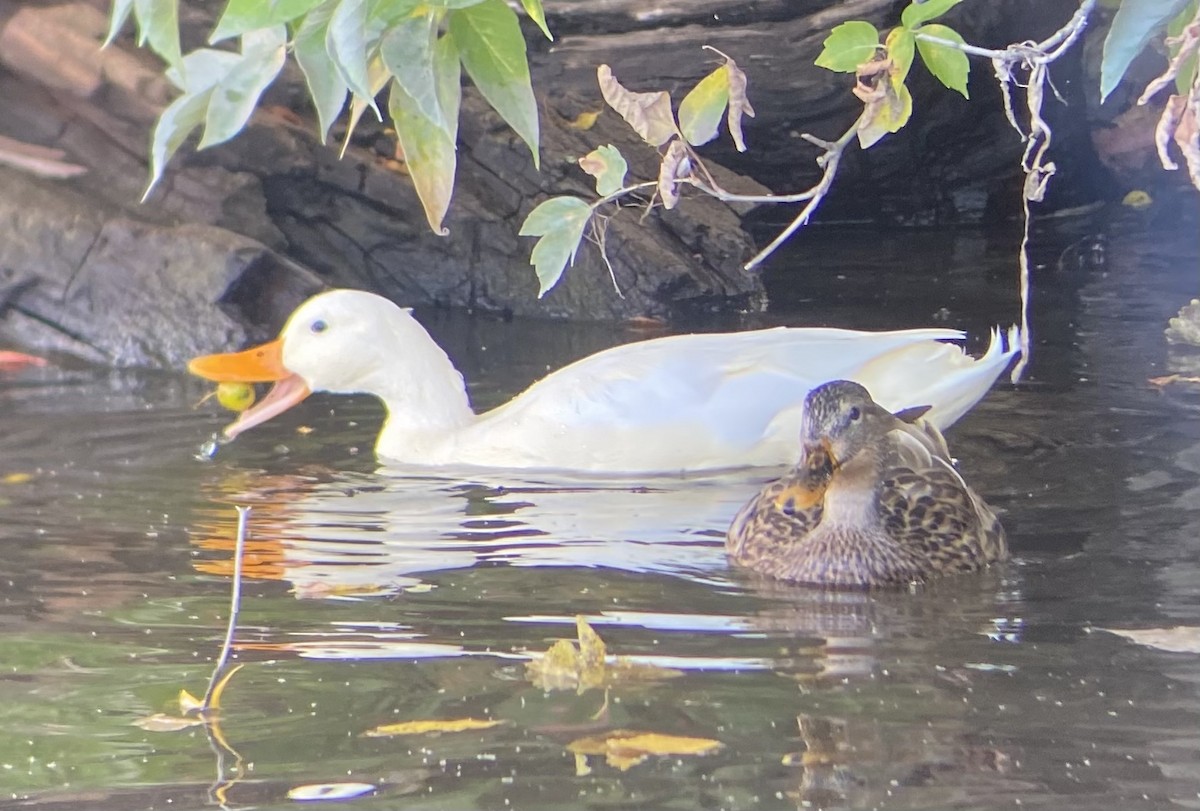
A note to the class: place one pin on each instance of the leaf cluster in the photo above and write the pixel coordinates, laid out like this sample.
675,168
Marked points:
560,223
881,65
349,51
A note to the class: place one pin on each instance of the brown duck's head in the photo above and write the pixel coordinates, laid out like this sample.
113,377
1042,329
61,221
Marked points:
841,421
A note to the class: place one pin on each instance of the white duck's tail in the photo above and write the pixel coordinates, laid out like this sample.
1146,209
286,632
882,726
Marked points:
939,375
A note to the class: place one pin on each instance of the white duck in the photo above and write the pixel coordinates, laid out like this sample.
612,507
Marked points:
667,405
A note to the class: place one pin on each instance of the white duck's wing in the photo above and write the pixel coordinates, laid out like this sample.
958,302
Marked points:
692,402
938,375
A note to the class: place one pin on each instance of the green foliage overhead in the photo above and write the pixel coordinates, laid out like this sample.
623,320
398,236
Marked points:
1135,23
347,49
492,48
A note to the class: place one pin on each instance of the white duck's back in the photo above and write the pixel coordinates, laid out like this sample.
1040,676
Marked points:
707,401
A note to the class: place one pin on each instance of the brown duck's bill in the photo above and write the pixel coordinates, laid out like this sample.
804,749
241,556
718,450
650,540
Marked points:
259,364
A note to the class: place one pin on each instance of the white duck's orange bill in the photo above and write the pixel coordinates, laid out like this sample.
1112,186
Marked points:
258,364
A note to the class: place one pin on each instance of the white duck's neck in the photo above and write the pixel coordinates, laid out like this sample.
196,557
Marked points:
425,395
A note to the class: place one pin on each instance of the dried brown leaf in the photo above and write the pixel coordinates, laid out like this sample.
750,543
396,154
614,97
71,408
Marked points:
1164,131
739,103
675,165
648,113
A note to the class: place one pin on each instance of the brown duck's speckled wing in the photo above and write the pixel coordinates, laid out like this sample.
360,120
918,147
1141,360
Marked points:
928,508
782,514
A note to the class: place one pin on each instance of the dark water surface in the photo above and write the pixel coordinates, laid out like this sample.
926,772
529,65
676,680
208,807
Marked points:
377,597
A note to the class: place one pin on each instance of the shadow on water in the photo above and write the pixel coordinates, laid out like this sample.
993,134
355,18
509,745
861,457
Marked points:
377,595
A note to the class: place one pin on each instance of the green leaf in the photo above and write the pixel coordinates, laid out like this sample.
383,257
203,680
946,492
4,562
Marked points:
452,4
848,46
1187,71
1135,23
608,166
701,110
1187,75
236,95
120,13
559,222
448,73
918,13
429,154
158,25
346,42
538,14
949,65
203,69
489,41
325,84
377,78
407,51
901,44
242,16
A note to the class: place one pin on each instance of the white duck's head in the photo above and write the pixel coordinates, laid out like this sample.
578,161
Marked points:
340,341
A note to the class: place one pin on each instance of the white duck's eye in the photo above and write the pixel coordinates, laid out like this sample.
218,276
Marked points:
855,414
319,326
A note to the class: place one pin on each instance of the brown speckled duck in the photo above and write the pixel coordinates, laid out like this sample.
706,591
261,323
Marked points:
874,501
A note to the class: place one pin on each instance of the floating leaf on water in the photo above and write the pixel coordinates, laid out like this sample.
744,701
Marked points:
1180,639
624,748
188,703
566,666
431,727
329,791
17,478
160,722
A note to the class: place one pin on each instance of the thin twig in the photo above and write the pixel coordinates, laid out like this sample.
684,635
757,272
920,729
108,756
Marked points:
235,602
829,161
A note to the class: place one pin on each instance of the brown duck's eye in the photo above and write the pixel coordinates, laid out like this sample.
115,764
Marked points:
855,414
319,326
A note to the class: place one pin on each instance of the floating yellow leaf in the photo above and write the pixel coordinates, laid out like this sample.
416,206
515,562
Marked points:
17,478
1137,199
160,722
567,667
304,430
585,120
624,748
430,727
189,703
